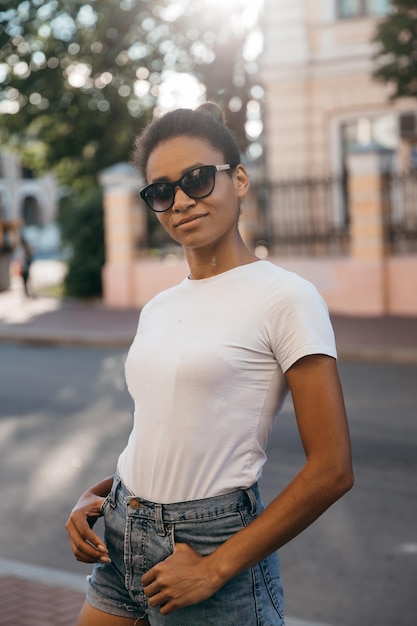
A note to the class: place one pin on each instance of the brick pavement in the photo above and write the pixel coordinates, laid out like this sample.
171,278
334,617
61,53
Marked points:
31,603
33,595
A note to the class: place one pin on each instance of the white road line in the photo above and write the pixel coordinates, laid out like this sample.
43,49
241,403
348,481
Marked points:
292,621
407,548
76,582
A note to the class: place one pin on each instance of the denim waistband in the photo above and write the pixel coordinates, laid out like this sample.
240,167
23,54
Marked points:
206,508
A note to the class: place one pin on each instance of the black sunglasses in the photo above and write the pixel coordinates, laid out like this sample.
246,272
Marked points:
196,183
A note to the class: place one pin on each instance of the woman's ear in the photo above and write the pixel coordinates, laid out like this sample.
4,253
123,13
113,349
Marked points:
241,179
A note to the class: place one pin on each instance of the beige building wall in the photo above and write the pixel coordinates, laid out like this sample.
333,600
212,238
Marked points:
316,71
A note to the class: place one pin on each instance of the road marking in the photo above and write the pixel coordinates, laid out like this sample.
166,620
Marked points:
76,582
407,548
292,621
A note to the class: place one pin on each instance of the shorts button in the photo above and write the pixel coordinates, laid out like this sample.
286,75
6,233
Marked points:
134,503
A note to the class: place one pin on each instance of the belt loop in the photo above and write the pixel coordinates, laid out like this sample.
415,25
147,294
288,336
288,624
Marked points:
159,522
113,493
252,499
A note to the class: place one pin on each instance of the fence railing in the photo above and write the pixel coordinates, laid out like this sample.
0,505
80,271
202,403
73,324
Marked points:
402,217
305,217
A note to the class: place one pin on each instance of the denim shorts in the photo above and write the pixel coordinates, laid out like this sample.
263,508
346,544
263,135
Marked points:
139,534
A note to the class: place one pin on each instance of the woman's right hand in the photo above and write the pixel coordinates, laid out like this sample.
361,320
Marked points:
86,545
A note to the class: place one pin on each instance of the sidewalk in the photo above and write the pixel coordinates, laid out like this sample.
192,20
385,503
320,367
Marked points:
47,320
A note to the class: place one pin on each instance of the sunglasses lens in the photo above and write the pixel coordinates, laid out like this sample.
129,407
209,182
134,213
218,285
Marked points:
159,196
199,182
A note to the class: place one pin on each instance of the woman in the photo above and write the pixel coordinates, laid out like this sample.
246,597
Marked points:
187,541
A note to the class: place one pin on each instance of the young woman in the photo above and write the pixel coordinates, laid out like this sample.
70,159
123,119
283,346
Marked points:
187,539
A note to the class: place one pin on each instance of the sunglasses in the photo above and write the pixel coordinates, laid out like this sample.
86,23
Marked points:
196,183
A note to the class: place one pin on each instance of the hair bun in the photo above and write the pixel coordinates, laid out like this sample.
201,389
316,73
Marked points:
212,109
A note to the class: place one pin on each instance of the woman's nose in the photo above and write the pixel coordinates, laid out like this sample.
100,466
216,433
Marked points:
181,201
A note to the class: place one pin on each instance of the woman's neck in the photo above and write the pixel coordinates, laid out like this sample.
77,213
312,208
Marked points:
205,263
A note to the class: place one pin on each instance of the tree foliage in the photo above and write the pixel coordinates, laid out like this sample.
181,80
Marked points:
79,80
397,54
82,230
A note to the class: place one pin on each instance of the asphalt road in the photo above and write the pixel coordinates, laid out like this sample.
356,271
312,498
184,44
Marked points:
65,415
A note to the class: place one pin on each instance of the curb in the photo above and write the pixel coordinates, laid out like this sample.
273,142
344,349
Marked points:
40,337
378,354
44,575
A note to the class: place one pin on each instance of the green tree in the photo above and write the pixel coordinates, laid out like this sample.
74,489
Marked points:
397,54
82,231
79,80
69,71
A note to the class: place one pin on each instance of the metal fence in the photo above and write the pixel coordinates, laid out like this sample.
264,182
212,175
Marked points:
305,217
402,216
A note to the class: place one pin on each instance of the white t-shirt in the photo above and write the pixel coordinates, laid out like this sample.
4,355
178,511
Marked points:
206,372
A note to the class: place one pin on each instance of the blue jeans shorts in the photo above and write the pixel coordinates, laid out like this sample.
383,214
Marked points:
139,534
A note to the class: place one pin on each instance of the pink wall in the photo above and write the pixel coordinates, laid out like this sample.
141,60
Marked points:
402,285
350,287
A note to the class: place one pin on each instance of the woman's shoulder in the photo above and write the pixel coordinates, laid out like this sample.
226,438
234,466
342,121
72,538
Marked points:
263,271
278,277
164,297
288,291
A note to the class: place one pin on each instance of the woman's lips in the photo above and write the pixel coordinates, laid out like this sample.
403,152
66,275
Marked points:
189,221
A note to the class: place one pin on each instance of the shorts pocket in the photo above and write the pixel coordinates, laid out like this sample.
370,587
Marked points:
105,504
111,496
270,571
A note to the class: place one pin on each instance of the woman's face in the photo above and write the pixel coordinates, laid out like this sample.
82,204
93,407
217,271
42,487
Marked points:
206,221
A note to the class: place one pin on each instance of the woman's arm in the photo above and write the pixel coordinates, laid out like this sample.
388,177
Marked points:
86,544
186,577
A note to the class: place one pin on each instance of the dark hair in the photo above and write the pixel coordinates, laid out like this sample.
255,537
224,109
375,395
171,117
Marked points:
206,122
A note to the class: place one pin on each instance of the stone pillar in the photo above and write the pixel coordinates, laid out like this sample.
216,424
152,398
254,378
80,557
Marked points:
368,195
125,228
369,204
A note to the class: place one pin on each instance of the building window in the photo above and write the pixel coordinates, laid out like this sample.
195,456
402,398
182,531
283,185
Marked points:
360,8
379,132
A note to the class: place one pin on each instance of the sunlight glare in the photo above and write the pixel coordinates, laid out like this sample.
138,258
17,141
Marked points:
249,9
184,90
179,90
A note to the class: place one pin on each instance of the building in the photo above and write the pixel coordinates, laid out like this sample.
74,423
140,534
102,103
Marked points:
321,101
340,162
25,201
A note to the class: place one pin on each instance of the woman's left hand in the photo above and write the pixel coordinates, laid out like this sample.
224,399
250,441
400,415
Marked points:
182,579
